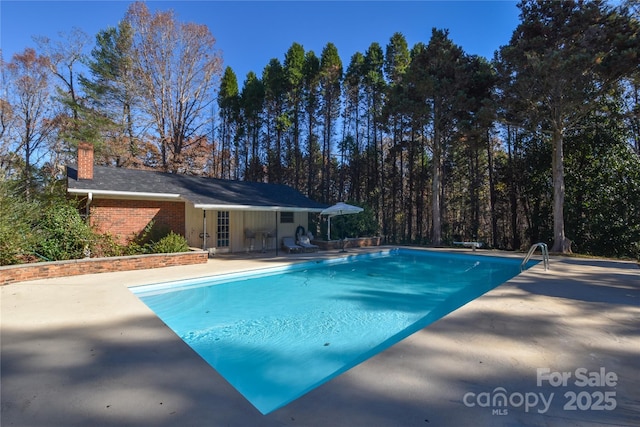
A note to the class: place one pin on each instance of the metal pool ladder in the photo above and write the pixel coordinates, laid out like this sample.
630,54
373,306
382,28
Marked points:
532,249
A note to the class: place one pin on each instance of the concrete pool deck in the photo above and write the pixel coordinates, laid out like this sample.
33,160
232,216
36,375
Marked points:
84,351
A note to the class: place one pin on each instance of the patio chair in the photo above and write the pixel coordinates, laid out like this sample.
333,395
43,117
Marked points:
307,245
289,244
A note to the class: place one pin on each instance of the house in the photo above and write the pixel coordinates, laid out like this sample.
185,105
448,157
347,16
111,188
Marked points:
213,214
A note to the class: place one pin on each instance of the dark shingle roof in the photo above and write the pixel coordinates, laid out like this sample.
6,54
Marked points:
200,191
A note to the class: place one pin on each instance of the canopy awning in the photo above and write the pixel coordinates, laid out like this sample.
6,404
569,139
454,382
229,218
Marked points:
340,208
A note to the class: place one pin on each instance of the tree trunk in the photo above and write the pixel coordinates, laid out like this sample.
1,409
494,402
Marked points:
513,194
492,193
560,243
435,190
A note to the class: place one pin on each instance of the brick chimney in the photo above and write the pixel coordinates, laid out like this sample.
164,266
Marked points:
85,160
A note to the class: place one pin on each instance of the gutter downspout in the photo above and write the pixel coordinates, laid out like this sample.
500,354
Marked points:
204,230
88,206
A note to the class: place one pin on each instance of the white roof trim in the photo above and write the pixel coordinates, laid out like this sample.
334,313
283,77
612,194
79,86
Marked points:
123,193
220,207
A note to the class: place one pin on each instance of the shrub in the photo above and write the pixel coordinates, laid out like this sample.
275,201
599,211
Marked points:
61,233
170,243
16,218
153,239
362,224
106,245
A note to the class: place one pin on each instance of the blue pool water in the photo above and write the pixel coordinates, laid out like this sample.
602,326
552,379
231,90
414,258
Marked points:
279,333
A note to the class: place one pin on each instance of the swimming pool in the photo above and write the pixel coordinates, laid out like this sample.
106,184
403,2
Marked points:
278,333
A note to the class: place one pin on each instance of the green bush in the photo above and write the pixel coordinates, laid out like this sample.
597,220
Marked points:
141,244
107,245
153,239
362,224
602,205
37,229
61,233
16,218
169,244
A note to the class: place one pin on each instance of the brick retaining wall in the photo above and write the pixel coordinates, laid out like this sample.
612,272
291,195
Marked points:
47,270
349,242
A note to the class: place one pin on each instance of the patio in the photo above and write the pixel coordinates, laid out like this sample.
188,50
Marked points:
84,351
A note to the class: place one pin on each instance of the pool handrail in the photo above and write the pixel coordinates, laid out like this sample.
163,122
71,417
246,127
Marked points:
532,249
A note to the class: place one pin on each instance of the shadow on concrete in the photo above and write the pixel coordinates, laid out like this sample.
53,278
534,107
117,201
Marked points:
619,285
98,376
133,371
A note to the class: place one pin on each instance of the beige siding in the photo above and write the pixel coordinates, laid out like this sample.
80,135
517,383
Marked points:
289,230
258,222
194,225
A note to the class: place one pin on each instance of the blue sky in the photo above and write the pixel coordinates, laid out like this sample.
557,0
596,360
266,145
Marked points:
250,33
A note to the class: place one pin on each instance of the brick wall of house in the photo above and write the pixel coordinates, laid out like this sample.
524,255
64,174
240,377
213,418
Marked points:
126,219
47,270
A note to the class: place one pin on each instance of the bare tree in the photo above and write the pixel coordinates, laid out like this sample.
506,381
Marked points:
29,94
177,67
64,55
6,119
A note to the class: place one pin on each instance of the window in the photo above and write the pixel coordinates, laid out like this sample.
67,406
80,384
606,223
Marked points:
223,229
286,217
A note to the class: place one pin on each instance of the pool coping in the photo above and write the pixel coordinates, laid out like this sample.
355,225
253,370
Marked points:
84,350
